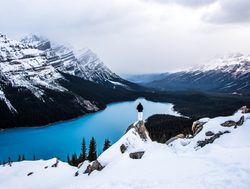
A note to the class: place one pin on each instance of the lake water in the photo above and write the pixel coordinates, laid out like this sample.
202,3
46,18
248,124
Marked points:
64,138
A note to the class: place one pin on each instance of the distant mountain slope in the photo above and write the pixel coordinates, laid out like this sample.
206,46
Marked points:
226,74
38,83
144,78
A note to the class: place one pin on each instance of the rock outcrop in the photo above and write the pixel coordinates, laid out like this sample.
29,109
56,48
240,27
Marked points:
95,165
123,148
245,110
136,155
202,143
232,123
140,129
197,127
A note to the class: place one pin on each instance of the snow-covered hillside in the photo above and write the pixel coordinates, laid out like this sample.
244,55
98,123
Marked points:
82,63
43,82
223,163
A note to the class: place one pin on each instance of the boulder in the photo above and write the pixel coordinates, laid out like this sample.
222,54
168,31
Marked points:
123,148
55,164
76,173
231,123
136,155
241,121
209,133
95,165
245,110
140,129
197,127
202,143
30,173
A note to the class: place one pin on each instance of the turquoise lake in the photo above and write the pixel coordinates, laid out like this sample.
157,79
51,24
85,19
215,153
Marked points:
60,139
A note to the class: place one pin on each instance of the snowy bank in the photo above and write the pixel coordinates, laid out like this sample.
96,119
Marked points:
224,163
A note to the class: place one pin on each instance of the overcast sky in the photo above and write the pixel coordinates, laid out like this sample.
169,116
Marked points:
136,36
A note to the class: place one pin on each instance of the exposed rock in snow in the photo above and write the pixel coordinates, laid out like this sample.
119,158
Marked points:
136,155
93,166
181,164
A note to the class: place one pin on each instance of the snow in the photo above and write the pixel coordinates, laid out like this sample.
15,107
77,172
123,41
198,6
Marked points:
223,164
7,102
232,63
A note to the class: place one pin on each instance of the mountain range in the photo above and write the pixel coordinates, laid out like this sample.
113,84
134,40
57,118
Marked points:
227,74
43,82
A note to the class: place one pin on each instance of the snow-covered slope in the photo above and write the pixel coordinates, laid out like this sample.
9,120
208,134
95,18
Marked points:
230,73
82,63
38,82
222,164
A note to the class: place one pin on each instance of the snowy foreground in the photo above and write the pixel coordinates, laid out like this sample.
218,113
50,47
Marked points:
222,164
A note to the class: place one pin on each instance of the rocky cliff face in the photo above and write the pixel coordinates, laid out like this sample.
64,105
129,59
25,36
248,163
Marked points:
41,82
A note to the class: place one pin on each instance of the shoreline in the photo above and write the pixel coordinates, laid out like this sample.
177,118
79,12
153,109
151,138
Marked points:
72,119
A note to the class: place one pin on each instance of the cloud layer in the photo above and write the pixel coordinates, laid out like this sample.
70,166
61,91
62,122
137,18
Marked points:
136,36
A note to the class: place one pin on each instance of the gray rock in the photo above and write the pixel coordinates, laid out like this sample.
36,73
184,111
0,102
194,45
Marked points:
123,148
197,127
241,121
95,165
245,110
55,164
232,123
136,155
229,123
209,133
140,129
202,143
76,173
30,173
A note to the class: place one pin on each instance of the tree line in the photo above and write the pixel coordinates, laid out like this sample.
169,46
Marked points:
91,155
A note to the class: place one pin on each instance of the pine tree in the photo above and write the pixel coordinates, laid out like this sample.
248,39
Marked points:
74,160
9,161
92,150
68,159
23,158
106,145
19,158
83,153
34,157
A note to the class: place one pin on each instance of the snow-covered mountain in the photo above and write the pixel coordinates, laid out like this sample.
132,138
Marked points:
216,156
34,73
230,73
82,63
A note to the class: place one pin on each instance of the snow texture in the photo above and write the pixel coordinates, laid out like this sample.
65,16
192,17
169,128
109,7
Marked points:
35,64
222,164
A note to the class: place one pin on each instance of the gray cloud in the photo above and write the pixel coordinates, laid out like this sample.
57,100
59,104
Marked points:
230,12
188,3
131,36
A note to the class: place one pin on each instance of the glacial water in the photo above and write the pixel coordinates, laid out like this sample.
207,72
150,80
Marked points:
60,139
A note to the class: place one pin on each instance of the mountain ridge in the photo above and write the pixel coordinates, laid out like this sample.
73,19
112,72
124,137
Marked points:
227,74
37,83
